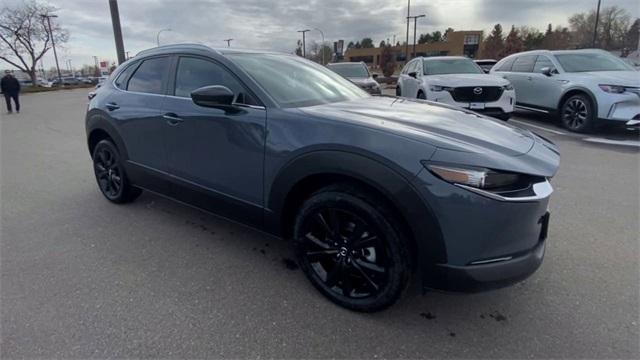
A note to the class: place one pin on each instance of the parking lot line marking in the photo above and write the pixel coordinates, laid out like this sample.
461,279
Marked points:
538,127
614,142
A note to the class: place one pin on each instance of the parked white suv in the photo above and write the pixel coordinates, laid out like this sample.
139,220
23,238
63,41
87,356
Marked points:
458,81
583,87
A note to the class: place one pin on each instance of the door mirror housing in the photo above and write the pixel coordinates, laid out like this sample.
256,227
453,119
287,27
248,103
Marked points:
215,96
413,74
548,71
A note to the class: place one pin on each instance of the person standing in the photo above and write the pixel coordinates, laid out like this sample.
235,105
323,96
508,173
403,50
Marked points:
11,89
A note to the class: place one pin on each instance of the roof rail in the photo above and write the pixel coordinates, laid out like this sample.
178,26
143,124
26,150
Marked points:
175,46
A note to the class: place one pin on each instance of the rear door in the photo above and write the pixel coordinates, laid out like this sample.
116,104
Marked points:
135,106
215,156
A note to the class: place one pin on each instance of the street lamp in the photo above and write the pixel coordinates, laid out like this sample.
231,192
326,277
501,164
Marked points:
595,28
229,42
321,47
158,35
304,51
415,25
53,44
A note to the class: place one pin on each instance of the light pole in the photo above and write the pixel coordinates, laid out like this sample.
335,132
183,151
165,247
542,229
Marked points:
415,25
304,51
406,45
117,30
53,44
595,28
321,47
158,35
229,42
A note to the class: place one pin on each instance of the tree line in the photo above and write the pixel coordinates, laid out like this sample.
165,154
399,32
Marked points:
615,32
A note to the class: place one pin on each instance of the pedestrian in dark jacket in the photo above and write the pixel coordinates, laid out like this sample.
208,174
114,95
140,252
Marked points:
11,90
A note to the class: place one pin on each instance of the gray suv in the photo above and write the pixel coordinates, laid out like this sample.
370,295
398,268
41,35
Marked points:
358,73
585,88
372,191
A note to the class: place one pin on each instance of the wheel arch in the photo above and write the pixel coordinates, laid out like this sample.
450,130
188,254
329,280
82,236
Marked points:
310,172
577,91
98,128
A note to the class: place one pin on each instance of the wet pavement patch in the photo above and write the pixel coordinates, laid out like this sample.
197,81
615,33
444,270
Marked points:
290,264
497,316
428,316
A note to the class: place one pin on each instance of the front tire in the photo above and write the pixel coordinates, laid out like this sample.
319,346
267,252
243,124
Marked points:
421,95
398,91
578,114
351,249
110,175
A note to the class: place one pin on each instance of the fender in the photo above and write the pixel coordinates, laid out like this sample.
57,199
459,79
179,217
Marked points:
97,121
394,184
581,89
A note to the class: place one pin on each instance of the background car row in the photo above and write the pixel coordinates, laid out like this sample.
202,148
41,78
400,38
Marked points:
583,89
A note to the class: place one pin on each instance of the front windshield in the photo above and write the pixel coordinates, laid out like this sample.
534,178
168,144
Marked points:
295,82
451,66
584,62
350,70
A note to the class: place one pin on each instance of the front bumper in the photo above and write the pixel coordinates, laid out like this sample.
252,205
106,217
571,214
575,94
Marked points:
503,106
622,108
503,272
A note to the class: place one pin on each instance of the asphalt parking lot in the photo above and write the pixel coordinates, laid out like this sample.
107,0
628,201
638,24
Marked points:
81,277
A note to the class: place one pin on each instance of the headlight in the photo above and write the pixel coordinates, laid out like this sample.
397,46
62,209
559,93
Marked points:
613,89
475,177
440,88
507,87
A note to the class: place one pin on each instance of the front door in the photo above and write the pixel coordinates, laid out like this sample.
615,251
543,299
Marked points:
215,156
520,78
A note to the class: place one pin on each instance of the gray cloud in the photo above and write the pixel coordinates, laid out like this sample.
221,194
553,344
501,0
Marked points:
272,24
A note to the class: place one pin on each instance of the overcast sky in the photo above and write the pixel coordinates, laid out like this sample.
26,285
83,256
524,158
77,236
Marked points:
272,24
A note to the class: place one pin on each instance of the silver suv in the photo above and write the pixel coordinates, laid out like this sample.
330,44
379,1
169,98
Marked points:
583,87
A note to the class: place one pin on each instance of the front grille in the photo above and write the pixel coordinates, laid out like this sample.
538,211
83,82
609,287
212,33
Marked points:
469,94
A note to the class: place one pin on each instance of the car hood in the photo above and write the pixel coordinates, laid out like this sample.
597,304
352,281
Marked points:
625,78
439,125
457,80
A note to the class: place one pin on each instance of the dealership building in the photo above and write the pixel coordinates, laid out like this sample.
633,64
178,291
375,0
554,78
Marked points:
457,43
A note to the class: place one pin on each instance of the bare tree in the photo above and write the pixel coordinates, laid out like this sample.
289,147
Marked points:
25,37
612,30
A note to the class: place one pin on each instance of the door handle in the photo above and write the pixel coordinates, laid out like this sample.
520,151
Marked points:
172,119
529,78
112,106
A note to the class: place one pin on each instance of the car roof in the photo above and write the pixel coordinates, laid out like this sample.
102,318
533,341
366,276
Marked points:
556,52
346,63
431,58
481,60
173,48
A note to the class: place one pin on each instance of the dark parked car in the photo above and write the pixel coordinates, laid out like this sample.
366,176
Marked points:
371,190
358,73
486,64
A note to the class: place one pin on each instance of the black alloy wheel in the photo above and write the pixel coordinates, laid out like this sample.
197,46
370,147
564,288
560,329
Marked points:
350,251
110,175
577,114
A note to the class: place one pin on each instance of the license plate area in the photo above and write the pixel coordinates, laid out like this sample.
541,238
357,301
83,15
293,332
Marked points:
476,106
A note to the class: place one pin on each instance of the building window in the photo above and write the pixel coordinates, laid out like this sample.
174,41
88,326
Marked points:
472,39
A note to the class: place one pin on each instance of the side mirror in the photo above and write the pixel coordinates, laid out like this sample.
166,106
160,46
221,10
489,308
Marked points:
547,71
212,96
375,76
413,74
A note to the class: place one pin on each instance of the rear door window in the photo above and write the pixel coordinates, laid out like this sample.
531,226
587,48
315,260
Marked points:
150,76
506,65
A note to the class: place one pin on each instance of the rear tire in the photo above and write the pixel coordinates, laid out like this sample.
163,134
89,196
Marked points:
421,95
504,117
577,114
351,248
110,175
398,91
